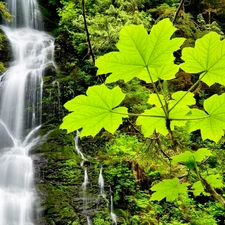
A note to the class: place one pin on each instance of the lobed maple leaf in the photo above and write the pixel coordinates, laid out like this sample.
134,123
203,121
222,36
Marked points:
140,53
207,58
169,189
94,111
211,121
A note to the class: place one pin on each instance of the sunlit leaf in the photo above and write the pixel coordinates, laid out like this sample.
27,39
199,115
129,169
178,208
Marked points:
166,72
94,111
207,57
198,189
202,153
169,189
189,158
154,99
184,157
215,181
187,100
211,122
152,120
140,51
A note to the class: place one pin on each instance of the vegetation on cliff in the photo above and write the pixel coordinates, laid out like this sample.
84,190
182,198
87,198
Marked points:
132,165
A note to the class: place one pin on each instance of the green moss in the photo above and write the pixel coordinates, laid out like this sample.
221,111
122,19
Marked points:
102,218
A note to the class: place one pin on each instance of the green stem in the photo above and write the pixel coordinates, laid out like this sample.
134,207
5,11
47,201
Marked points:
165,93
135,114
158,116
208,188
156,91
189,90
185,119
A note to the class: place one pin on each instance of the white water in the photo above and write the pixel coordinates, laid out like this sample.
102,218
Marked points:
84,185
76,141
20,111
89,221
101,183
112,214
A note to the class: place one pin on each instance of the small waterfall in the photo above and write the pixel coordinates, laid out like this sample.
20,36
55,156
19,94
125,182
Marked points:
112,214
86,181
89,221
84,185
101,183
20,111
76,141
85,197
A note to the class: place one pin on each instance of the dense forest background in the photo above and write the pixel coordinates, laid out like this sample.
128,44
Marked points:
131,164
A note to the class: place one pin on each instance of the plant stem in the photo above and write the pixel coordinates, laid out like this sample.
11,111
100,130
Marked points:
177,11
87,33
189,90
208,188
157,93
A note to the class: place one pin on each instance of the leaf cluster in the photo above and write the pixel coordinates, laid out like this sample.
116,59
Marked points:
150,58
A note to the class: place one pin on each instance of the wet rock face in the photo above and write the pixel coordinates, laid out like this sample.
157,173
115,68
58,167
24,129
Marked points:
5,50
59,179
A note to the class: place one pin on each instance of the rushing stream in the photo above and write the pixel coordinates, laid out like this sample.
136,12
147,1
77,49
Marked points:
20,110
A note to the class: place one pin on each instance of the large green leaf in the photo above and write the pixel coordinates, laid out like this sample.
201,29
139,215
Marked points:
95,111
154,99
140,51
198,189
186,157
169,189
152,120
208,56
182,99
216,181
211,122
189,158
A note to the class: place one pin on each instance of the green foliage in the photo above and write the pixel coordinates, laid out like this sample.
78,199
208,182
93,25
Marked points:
4,11
150,58
139,52
96,110
169,189
101,218
122,182
136,96
214,180
124,146
104,22
134,59
190,158
154,118
210,121
199,59
2,67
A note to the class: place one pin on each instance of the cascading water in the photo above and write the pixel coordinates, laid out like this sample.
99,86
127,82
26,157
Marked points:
78,148
101,183
20,110
112,214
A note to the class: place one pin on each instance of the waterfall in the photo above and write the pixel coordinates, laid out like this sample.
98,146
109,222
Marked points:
78,148
20,110
112,214
84,185
101,183
89,221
